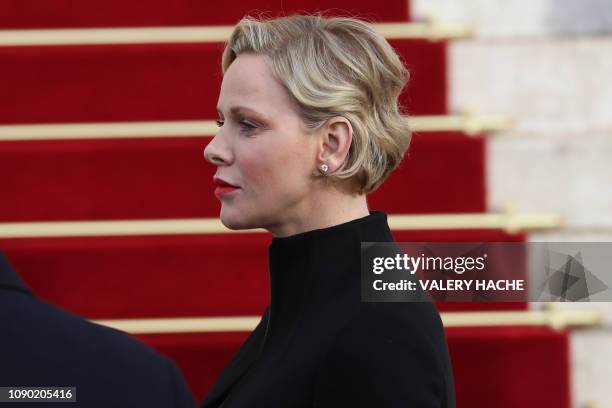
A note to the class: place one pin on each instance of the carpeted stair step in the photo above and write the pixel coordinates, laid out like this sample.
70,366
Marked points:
117,13
150,82
510,367
175,275
169,178
501,367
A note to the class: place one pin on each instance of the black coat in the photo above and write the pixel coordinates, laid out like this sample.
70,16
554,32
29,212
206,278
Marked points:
44,346
319,345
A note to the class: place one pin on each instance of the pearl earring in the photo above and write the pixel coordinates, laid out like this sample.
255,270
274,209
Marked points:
324,168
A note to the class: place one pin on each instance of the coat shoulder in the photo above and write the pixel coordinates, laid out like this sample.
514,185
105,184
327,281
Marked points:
45,345
389,354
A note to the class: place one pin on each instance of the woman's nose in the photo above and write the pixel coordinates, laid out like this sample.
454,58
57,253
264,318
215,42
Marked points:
214,153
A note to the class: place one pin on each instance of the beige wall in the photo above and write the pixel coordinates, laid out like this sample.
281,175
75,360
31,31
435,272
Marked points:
547,64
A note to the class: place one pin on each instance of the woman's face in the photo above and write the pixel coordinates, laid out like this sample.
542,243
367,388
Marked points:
261,148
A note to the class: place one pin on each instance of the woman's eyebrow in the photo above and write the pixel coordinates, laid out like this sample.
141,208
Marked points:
238,109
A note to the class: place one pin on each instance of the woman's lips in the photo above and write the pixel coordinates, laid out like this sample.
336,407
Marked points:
224,190
223,187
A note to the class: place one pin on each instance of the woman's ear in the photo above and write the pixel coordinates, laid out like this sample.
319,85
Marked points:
337,135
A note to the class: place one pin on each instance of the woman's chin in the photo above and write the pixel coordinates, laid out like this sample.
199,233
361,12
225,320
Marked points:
232,220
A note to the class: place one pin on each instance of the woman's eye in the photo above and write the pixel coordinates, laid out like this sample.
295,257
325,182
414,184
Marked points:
247,125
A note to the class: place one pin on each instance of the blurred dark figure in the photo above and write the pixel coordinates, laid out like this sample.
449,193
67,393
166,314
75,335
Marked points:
44,346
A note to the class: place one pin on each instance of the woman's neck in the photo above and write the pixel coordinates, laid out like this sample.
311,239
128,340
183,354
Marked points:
322,211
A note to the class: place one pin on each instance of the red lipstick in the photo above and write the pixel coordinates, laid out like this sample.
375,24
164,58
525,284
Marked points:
223,187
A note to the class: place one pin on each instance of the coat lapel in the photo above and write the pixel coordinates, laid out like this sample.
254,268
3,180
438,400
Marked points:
9,279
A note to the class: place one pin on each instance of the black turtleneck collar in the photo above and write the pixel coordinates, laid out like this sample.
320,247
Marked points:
375,222
338,245
309,268
9,278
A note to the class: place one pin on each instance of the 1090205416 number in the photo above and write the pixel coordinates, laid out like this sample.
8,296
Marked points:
39,393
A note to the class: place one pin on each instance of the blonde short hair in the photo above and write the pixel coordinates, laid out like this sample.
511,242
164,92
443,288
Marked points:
336,66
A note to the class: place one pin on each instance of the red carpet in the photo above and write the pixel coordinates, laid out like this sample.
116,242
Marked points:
117,13
157,82
510,367
175,275
504,367
169,178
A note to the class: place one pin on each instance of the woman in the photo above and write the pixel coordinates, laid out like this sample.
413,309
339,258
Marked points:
309,124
